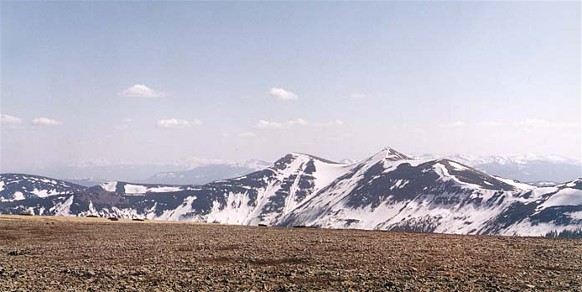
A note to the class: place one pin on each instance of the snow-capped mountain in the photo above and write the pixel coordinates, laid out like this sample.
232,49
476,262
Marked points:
18,187
523,167
387,191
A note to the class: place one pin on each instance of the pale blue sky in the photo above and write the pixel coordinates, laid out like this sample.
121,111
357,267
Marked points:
450,77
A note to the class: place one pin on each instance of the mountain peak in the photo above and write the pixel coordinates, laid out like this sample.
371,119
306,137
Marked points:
391,155
288,159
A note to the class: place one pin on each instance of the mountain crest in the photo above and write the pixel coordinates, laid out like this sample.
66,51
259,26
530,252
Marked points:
390,154
292,157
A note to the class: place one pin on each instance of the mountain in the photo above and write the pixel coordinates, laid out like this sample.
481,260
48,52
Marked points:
531,168
17,187
193,170
387,191
87,181
87,172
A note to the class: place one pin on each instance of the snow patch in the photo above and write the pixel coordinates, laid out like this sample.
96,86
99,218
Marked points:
180,212
457,166
575,215
110,186
41,193
235,211
135,189
64,208
164,189
18,196
564,197
515,184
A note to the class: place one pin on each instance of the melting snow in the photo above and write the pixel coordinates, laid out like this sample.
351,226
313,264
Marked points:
110,186
516,184
41,193
564,197
457,166
178,213
164,189
236,210
64,208
576,215
18,196
135,189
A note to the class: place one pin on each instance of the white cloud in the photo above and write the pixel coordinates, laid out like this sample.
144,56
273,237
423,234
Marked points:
282,94
330,123
9,120
457,124
297,122
125,124
535,124
140,90
247,135
358,95
178,124
490,124
262,124
45,122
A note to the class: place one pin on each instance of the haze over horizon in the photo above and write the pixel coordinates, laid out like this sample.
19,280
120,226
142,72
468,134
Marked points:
158,82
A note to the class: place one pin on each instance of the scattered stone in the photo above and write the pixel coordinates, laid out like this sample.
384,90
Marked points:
92,256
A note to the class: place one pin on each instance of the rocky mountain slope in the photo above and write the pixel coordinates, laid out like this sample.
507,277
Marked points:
387,191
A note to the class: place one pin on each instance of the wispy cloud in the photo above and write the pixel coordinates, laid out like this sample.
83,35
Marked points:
45,122
358,95
10,120
140,90
178,123
457,124
124,124
247,135
490,124
282,94
297,122
263,124
538,124
330,123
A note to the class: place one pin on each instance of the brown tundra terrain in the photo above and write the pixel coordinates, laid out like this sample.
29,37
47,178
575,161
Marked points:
92,254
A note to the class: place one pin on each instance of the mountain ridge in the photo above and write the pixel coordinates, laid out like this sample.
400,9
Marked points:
387,191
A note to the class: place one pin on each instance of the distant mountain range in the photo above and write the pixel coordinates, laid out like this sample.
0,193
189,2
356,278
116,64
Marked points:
534,169
530,168
207,173
387,191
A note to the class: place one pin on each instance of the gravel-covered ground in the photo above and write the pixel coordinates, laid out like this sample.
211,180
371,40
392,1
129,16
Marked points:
61,253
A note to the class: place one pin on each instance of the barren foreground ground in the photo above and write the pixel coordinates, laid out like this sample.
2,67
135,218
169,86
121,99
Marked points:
51,253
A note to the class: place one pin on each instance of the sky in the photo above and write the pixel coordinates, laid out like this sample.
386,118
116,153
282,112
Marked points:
160,82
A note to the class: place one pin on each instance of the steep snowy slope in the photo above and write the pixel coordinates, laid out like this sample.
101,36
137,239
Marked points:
387,192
